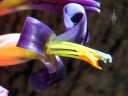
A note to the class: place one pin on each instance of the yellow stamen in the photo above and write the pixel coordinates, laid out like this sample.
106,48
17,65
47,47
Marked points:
77,51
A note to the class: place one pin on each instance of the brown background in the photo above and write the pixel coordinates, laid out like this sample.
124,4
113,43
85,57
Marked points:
82,79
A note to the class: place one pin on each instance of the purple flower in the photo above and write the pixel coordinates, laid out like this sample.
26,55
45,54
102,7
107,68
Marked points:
38,41
38,38
7,6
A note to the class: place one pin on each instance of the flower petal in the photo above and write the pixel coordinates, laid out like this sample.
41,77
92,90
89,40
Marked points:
34,36
75,20
7,6
91,9
40,80
43,79
57,5
64,2
59,74
46,7
8,46
3,91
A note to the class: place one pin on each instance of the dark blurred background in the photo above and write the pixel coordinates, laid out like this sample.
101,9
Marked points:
81,79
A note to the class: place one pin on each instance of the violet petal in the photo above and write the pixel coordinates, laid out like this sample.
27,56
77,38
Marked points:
40,80
46,7
3,91
91,9
51,62
64,2
59,75
93,3
57,5
75,21
43,79
34,36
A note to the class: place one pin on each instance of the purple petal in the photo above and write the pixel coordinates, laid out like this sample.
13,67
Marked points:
93,3
43,79
85,2
57,5
86,38
59,75
3,91
34,36
40,80
51,62
46,7
91,9
76,24
64,2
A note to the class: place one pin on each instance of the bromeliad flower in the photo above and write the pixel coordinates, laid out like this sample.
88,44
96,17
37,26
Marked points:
37,41
37,38
9,6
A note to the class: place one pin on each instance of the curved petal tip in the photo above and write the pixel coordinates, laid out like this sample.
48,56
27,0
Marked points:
34,35
43,79
40,80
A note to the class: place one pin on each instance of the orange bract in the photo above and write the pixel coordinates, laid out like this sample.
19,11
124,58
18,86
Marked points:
12,55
